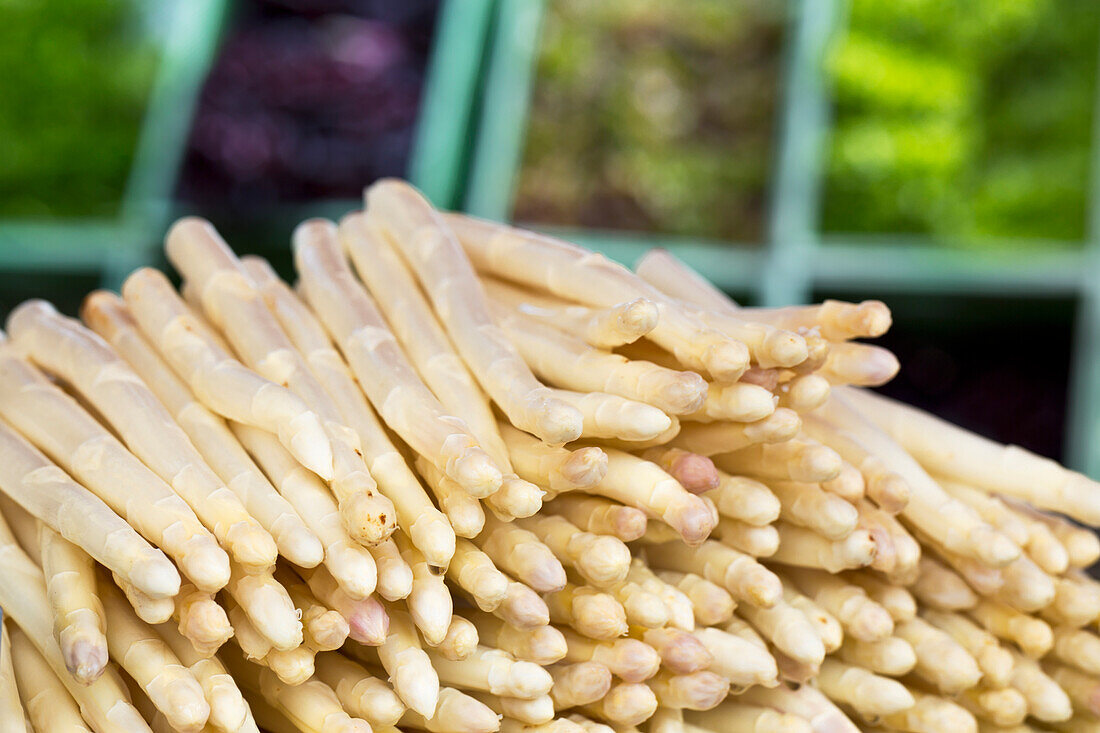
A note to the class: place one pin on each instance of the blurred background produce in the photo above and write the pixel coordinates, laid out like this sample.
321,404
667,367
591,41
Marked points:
934,155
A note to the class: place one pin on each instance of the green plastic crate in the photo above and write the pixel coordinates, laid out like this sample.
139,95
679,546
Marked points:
187,32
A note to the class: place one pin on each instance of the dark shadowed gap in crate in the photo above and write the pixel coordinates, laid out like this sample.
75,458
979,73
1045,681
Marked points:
996,365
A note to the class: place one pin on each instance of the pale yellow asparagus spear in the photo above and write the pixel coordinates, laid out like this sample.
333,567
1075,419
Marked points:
745,578
788,629
862,618
522,607
599,559
48,705
628,659
416,515
941,588
805,548
414,323
710,439
1005,706
551,467
78,619
589,611
348,561
696,691
361,693
201,620
450,282
680,613
643,485
749,539
542,645
220,381
898,602
579,683
625,704
882,485
429,601
711,603
848,484
738,402
232,303
932,714
696,473
268,607
1077,648
367,621
61,428
474,571
906,549
461,639
807,505
735,715
495,671
457,712
964,456
577,274
324,628
826,624
862,365
1076,600
537,711
680,651
834,319
643,607
600,516
143,654
521,553
149,610
1046,700
108,316
745,500
1081,544
994,662
64,347
741,662
869,694
795,460
395,577
806,702
1032,635
804,393
940,659
604,328
568,362
1083,689
228,709
893,656
617,418
12,715
384,372
252,643
292,666
557,725
463,512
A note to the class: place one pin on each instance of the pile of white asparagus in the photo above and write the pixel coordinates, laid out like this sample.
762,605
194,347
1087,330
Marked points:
464,478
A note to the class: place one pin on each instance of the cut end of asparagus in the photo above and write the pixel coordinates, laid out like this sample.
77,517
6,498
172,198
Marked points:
369,518
85,657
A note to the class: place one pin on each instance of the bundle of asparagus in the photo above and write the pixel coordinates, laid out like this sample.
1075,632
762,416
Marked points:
466,478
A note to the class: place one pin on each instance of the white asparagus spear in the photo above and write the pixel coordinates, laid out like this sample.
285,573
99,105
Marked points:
580,683
711,603
599,559
79,516
59,427
745,578
150,610
568,362
576,274
931,714
415,324
894,656
228,709
628,659
220,381
458,712
449,280
233,304
681,652
542,645
291,666
804,393
1005,706
795,460
862,618
324,628
12,714
589,611
941,588
710,439
522,607
611,416
806,702
384,372
1081,544
738,402
78,614
461,640
735,715
252,643
959,454
361,693
788,629
65,348
741,662
108,316
150,662
268,607
429,601
625,704
463,512
395,577
745,500
48,705
808,505
520,553
416,515
201,620
805,548
600,516
994,662
1078,648
696,691
349,562
1046,700
898,601
948,521
940,659
495,671
411,670
604,328
553,467
1032,635
826,625
869,694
